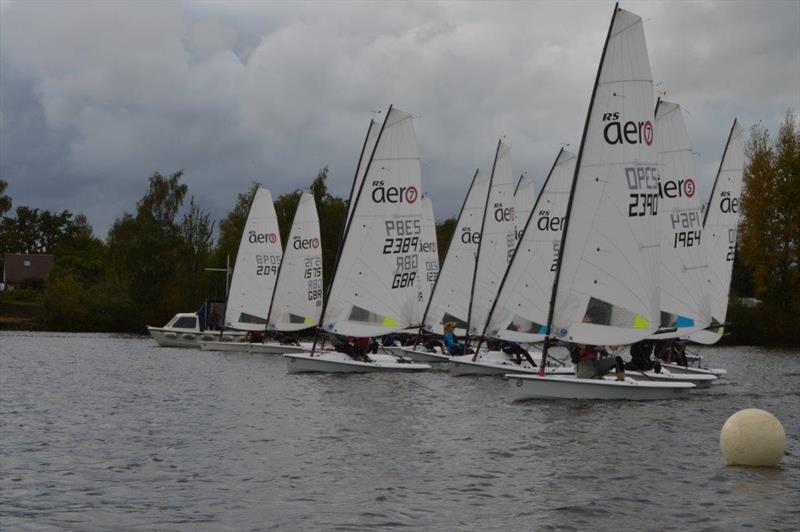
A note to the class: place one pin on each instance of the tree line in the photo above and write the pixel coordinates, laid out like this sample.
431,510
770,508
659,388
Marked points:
153,261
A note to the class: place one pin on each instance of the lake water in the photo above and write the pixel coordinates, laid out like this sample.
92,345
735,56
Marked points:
112,432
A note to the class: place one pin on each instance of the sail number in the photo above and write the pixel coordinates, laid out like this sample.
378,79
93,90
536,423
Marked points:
267,264
643,184
402,236
686,239
731,245
684,224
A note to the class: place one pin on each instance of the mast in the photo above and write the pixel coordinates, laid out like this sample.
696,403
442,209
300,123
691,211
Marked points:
347,225
551,310
480,245
719,171
519,242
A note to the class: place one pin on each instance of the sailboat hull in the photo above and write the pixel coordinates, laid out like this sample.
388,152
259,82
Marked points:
424,356
524,387
488,363
336,362
271,348
720,373
699,380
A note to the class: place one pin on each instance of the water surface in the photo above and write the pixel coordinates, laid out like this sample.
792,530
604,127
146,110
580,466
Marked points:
102,431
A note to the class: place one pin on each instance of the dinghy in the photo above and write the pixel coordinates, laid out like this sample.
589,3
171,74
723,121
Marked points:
375,290
719,373
606,285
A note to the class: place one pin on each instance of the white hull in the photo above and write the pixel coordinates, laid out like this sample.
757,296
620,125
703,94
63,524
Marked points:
716,372
168,337
488,363
700,381
271,348
524,387
336,362
423,356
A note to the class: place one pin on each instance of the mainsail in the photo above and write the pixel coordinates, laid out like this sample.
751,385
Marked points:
606,286
524,199
428,258
297,299
684,299
374,290
363,161
450,298
256,268
720,227
498,240
520,312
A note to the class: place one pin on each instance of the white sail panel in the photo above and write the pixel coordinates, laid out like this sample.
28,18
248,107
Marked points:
256,268
608,289
720,229
374,288
524,199
428,257
363,160
684,301
450,298
520,314
297,300
498,240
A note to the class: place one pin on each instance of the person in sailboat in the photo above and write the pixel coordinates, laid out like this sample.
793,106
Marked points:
672,351
454,347
593,361
640,357
518,352
389,340
355,348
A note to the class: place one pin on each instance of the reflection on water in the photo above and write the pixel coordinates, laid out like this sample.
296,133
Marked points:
103,432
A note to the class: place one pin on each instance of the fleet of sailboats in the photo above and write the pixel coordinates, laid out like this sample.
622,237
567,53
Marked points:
616,248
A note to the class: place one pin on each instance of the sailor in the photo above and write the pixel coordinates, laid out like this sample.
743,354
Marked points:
513,348
592,362
640,357
454,347
672,351
388,340
355,348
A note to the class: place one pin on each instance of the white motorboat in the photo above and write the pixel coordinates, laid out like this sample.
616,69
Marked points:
183,330
524,387
336,362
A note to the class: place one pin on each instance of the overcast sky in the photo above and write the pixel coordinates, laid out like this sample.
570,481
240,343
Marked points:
96,96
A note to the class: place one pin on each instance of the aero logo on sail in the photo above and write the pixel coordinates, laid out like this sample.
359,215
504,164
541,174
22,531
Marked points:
617,132
262,238
381,194
305,243
676,189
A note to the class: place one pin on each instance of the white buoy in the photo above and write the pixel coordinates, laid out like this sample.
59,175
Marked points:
753,437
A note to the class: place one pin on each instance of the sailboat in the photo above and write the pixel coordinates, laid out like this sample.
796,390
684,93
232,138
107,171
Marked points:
288,294
450,294
720,228
606,287
520,309
374,291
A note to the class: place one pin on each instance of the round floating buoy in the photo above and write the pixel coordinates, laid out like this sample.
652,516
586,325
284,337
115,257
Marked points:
753,437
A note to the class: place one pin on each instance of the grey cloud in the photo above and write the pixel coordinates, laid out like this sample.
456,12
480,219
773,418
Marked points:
95,96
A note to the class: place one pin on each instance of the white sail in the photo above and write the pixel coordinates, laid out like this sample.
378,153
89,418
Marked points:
256,268
720,229
607,285
684,301
450,297
520,313
524,199
363,160
297,300
374,289
498,240
428,257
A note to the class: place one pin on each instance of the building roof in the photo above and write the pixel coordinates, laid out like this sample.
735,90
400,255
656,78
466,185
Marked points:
21,266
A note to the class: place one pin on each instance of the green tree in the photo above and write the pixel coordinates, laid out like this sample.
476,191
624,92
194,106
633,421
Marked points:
444,233
770,229
5,201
